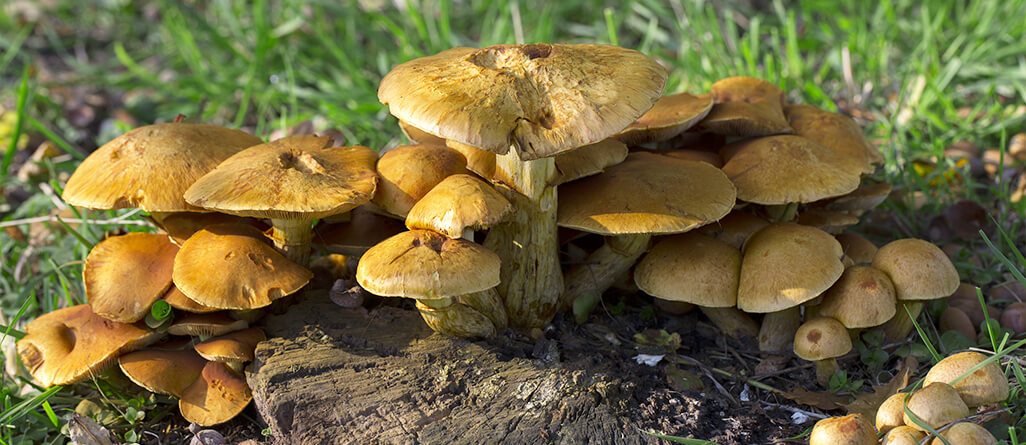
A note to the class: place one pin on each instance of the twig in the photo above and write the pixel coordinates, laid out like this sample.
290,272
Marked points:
123,219
793,409
50,193
19,267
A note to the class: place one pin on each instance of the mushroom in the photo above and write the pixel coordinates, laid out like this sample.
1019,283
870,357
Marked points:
891,413
919,271
852,429
217,396
124,275
232,348
822,340
985,386
162,371
746,106
292,181
903,435
205,325
735,228
829,221
1014,317
936,404
857,247
177,300
418,136
670,116
570,165
834,131
526,103
866,197
965,433
862,298
457,206
407,173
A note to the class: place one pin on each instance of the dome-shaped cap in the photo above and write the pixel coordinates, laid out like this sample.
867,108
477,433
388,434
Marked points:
670,116
785,169
865,197
647,193
853,429
985,386
544,98
426,264
903,435
918,269
821,338
181,225
216,397
835,131
459,202
124,275
237,346
67,345
150,167
163,371
407,173
862,298
891,413
966,433
693,268
745,106
936,404
786,264
231,267
857,247
479,161
297,177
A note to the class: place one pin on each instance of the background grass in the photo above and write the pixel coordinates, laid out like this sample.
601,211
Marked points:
909,71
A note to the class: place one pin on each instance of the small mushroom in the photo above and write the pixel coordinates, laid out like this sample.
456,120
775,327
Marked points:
746,106
216,397
985,386
822,340
457,206
852,429
965,433
862,298
162,371
668,117
857,247
903,435
936,404
205,325
891,413
409,172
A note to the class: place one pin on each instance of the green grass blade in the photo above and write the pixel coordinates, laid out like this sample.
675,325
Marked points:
19,123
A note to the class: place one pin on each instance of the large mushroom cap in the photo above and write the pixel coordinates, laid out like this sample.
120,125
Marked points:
124,275
786,169
230,267
150,167
544,98
786,264
162,371
426,264
936,404
647,193
297,177
670,116
693,268
918,269
459,202
67,345
407,173
216,397
985,386
966,433
862,298
835,131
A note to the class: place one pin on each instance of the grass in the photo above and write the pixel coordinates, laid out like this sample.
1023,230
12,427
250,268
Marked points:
910,71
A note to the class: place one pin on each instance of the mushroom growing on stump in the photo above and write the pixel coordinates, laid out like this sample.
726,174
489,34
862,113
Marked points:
124,275
233,348
526,103
292,181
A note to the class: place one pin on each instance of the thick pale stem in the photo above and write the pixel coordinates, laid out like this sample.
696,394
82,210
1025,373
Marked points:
292,238
732,321
468,234
898,327
782,212
489,303
448,317
825,369
598,272
778,328
527,244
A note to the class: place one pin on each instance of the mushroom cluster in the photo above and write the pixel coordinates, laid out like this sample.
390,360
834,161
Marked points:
952,389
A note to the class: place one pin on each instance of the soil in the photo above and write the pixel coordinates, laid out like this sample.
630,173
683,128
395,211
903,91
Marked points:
334,375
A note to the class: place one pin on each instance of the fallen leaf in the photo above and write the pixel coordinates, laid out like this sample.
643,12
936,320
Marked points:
867,404
85,431
682,380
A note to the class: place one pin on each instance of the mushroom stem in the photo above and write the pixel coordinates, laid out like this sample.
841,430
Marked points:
489,303
825,369
900,324
782,212
468,234
527,244
598,272
292,238
448,317
778,328
732,321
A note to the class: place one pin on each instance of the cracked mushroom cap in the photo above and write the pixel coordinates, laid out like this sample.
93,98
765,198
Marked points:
862,298
786,264
671,115
852,429
821,338
647,193
426,264
150,167
918,269
966,433
407,173
297,177
67,345
543,98
124,275
237,346
457,203
785,169
936,404
985,386
216,397
746,106
231,267
164,371
835,131
692,268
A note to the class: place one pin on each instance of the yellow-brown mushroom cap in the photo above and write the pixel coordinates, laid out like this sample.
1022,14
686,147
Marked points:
857,247
936,404
786,264
785,169
821,338
180,226
668,117
457,203
479,161
891,413
150,167
176,299
426,264
903,435
865,197
231,267
543,98
298,177
162,371
588,160
746,106
67,345
852,429
216,397
693,268
862,298
408,172
835,131
124,275
238,346
647,193
209,324
918,269
966,433
985,386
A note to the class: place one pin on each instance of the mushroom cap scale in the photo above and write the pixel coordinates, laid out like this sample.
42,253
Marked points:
297,177
124,275
121,173
543,98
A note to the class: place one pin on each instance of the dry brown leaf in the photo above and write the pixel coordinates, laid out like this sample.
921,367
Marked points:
867,404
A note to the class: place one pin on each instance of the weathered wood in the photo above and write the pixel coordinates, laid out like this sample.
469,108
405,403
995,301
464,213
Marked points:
333,375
